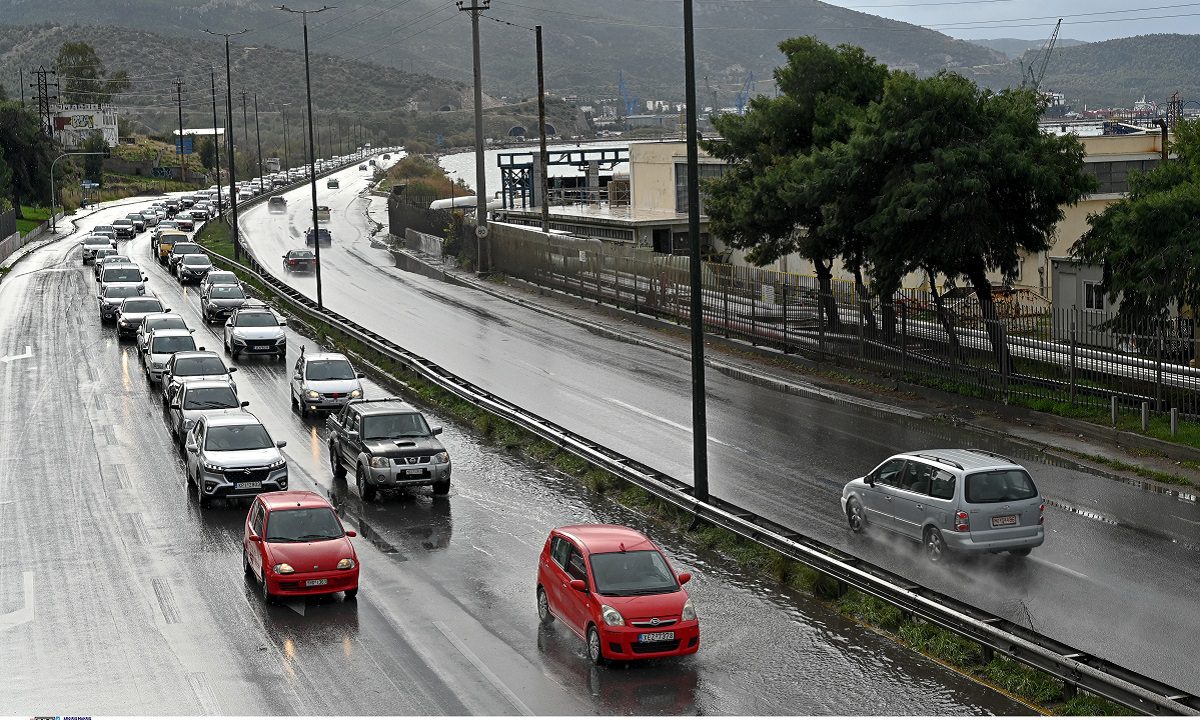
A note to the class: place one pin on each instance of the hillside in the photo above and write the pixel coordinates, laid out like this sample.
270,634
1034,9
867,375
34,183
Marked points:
586,42
1016,47
1118,72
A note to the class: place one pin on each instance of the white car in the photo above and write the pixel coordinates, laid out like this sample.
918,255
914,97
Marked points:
156,321
198,365
161,344
195,398
231,455
323,381
255,329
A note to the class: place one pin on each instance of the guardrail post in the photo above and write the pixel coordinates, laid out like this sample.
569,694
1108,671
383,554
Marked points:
1070,690
1113,409
1174,421
1145,416
1073,361
987,654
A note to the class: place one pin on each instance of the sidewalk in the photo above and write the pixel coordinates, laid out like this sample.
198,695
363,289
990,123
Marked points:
1122,454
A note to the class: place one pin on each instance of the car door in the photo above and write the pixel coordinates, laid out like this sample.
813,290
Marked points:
352,446
175,402
255,524
195,439
911,498
297,373
577,606
555,575
878,498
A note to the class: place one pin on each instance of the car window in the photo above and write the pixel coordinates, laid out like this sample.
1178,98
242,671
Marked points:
575,566
226,292
638,572
890,472
228,438
166,323
185,248
917,477
195,260
256,319
1000,486
302,525
379,427
942,486
172,344
216,398
256,520
328,370
121,274
219,276
141,306
560,550
120,291
199,365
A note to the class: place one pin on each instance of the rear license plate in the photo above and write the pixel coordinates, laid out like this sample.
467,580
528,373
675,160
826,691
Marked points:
1004,520
414,472
656,637
314,583
247,485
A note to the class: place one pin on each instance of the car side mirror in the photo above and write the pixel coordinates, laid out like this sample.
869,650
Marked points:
436,430
281,444
296,376
145,278
255,538
351,533
579,585
285,257
232,370
869,480
167,310
229,322
190,447
283,322
244,403
174,406
360,376
684,577
201,348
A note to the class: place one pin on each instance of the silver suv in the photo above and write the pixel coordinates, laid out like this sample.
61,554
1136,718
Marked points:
231,455
968,501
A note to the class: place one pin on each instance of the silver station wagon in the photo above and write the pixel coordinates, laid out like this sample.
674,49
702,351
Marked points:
968,501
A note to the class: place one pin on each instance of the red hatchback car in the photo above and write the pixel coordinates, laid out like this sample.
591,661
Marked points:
294,544
613,587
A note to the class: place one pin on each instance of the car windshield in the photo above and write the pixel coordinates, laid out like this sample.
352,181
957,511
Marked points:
135,217
195,260
97,242
229,438
256,319
172,344
102,228
185,248
382,427
640,572
302,525
122,274
199,366
996,486
220,276
141,306
167,323
301,254
122,223
227,291
215,398
120,291
329,370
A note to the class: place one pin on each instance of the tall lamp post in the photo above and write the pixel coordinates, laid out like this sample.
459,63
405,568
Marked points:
237,251
286,162
258,136
53,220
312,158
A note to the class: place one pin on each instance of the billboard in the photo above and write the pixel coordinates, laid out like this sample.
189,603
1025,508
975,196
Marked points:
75,123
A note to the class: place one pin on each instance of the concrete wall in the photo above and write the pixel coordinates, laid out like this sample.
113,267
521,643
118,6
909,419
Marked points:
9,245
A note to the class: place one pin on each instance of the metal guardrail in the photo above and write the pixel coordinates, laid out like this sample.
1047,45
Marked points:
1076,668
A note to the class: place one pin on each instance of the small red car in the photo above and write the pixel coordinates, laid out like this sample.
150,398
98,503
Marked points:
613,587
294,544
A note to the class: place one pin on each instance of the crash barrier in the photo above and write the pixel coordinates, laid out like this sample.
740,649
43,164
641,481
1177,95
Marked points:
424,243
1081,357
1076,668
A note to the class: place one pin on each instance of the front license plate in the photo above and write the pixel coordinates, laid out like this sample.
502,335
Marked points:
1004,520
314,583
656,637
262,347
247,485
414,472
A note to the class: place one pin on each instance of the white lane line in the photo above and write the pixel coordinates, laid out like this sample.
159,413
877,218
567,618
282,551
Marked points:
9,358
25,614
1194,522
483,669
672,423
1056,566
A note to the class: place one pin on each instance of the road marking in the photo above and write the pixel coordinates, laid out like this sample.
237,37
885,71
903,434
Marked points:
25,614
672,423
1056,566
28,354
483,669
1194,522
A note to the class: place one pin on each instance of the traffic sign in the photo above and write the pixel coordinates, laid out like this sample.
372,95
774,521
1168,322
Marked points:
185,143
89,185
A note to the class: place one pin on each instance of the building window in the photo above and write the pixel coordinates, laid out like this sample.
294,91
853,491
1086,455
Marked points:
1114,174
707,170
1093,296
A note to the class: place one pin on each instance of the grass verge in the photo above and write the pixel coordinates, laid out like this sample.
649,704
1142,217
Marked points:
34,216
1038,689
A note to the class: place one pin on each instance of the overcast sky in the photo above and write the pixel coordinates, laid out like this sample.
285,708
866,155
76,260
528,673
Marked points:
1088,20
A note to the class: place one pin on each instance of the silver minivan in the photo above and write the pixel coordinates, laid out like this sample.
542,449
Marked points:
968,501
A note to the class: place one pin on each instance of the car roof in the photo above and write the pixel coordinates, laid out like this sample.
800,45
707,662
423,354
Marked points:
292,499
967,460
175,332
607,538
383,407
308,357
142,297
193,353
232,416
194,255
207,384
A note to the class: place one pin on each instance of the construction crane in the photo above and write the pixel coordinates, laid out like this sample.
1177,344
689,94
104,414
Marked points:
716,109
629,100
1034,78
743,96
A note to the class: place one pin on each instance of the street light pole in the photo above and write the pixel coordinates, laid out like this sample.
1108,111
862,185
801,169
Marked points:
216,147
696,308
286,162
544,157
258,136
237,252
312,158
481,228
53,220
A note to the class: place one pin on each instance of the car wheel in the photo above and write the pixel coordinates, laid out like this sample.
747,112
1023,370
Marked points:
267,597
442,487
246,564
595,650
543,606
303,410
204,500
335,462
365,488
1021,552
935,546
294,403
855,516
351,593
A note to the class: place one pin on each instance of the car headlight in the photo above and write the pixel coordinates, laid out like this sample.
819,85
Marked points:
380,462
277,464
209,467
281,341
689,611
345,564
356,393
284,569
313,394
611,616
442,457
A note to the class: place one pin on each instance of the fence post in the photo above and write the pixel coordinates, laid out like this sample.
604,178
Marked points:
725,300
1174,421
617,280
1145,416
754,311
904,339
1005,361
784,286
1113,409
820,325
599,268
1158,373
862,349
1073,361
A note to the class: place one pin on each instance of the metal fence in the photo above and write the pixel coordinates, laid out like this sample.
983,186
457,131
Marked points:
1081,358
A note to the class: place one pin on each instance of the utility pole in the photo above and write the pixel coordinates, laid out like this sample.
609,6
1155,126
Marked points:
237,250
286,163
312,158
481,228
245,121
696,308
216,145
258,136
44,98
179,151
544,181
22,85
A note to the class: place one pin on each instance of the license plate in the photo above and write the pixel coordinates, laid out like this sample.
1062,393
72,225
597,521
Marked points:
656,637
414,472
262,347
1004,520
247,485
314,583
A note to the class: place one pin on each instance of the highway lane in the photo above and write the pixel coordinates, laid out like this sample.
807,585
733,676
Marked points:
137,604
1115,554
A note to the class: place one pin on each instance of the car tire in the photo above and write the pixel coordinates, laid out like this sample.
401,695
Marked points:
303,410
1021,552
246,564
855,516
545,617
935,547
365,488
201,498
351,593
295,404
442,487
595,649
335,462
268,598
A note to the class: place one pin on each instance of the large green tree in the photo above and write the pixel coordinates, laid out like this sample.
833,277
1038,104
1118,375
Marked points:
82,77
761,203
1148,242
964,183
28,153
93,165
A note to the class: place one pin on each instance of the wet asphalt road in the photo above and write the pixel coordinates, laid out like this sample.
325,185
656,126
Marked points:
119,595
1117,575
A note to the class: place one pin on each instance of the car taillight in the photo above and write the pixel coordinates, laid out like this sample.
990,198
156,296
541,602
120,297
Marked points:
962,523
1041,514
